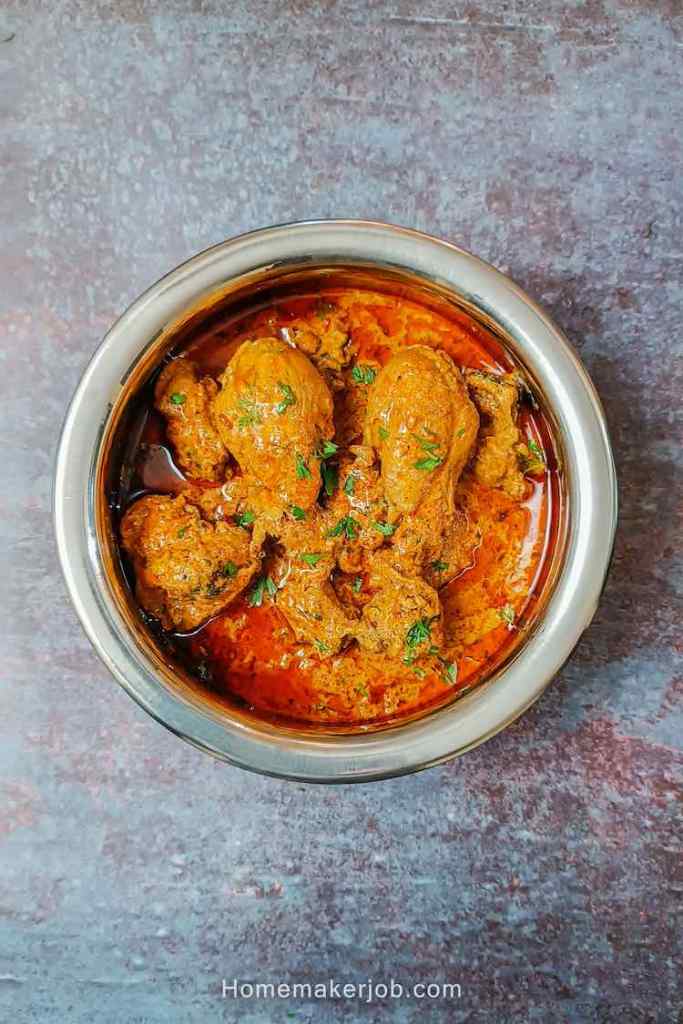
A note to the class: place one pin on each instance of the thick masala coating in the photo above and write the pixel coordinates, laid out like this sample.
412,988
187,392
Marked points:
186,569
184,400
274,413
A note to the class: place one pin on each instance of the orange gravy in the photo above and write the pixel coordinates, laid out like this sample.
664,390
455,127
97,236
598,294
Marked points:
249,653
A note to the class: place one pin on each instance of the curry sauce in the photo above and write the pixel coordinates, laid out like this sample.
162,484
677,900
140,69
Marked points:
344,509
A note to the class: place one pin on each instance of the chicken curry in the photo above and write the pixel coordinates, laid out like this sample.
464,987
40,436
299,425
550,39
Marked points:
344,507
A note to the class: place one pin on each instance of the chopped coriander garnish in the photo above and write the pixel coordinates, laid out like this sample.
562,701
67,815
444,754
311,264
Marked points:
439,566
297,513
263,585
256,593
302,470
430,463
311,558
250,415
321,647
419,633
363,374
349,484
177,398
433,458
182,531
450,671
330,475
287,398
533,460
327,450
347,526
383,433
419,671
363,691
427,446
245,519
229,570
507,614
385,528
357,585
460,433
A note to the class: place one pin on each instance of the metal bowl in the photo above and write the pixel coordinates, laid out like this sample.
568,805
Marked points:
239,270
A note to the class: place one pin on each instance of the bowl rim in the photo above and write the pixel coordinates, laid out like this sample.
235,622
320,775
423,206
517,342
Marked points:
474,717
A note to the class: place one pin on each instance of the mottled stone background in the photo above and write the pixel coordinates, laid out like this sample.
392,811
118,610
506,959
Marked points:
540,871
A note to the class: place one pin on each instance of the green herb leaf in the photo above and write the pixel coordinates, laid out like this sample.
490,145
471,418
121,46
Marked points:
287,398
419,633
245,519
438,566
346,526
177,398
321,647
182,531
255,599
383,433
330,475
533,459
311,558
507,614
433,459
230,570
460,433
427,445
419,671
384,528
357,585
430,463
327,450
250,415
297,513
302,470
349,484
363,374
450,671
263,585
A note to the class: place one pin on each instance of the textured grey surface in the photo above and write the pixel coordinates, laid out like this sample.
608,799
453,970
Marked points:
542,871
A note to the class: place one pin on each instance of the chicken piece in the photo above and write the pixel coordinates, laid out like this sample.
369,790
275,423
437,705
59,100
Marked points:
324,337
436,542
403,618
215,503
351,401
422,423
274,414
184,400
357,512
186,570
305,594
496,463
